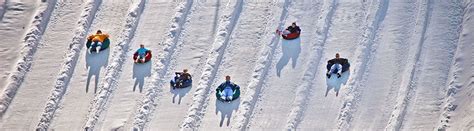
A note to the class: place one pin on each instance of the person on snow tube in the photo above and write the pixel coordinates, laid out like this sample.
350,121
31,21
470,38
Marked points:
182,79
142,54
337,66
291,32
228,91
97,41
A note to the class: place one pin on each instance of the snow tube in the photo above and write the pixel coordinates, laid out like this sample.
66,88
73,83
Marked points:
345,67
185,84
147,57
235,96
104,46
291,36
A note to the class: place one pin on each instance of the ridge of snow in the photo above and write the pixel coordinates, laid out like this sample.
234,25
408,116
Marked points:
115,68
221,41
259,74
170,43
65,73
31,41
300,102
365,56
407,86
456,84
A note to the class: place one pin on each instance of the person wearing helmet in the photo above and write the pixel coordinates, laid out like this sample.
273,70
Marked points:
336,66
97,39
141,53
227,89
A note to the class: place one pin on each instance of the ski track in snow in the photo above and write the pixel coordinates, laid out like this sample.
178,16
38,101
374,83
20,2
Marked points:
67,70
299,104
221,42
414,89
152,29
365,57
178,21
115,69
460,80
424,107
259,73
192,52
398,34
300,52
257,22
77,101
31,42
17,16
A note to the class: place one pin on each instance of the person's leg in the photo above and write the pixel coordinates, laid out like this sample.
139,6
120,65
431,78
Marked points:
285,32
99,45
229,93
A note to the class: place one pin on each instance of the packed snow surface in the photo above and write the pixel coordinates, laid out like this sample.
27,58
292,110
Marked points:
411,65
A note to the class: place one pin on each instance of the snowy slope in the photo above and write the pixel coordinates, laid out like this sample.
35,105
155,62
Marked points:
90,68
15,16
411,65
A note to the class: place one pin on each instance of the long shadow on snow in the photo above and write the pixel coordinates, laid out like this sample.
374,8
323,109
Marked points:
291,50
94,63
226,109
140,71
181,92
336,83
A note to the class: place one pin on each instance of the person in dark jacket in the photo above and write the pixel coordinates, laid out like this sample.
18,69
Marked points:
227,89
182,77
337,65
293,28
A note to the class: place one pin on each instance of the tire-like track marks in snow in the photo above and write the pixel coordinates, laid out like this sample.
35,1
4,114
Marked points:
31,41
459,77
260,72
366,53
221,42
300,102
75,47
396,118
170,44
115,68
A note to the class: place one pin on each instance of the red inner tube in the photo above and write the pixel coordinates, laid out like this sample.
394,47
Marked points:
147,56
291,36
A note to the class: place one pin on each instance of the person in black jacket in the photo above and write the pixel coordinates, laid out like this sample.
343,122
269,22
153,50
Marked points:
226,89
337,65
293,28
182,77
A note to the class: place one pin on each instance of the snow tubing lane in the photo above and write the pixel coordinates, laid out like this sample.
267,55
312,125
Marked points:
104,46
147,57
291,36
235,96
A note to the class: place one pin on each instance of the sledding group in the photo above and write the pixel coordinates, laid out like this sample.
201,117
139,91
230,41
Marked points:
227,91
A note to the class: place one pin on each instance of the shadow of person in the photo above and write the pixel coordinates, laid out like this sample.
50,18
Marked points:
226,109
94,63
140,71
291,49
336,83
181,92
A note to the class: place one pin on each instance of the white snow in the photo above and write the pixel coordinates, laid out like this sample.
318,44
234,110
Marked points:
411,65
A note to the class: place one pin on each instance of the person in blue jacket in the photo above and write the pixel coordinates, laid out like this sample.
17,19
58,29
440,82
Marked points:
227,89
141,53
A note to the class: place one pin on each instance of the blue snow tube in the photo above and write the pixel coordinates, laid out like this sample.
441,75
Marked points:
235,96
104,46
175,82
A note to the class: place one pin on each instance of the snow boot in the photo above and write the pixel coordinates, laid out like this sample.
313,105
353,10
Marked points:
338,75
328,75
